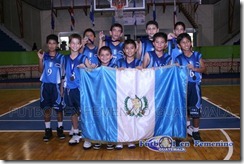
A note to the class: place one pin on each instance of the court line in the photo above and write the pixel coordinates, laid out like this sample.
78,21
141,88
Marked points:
31,101
206,99
222,128
216,118
230,151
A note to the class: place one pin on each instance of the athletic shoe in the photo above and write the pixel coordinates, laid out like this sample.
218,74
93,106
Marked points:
87,145
48,134
110,147
75,139
189,130
60,132
119,146
97,146
131,146
71,133
196,136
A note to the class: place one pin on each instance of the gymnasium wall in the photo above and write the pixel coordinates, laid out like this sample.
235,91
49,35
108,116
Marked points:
212,20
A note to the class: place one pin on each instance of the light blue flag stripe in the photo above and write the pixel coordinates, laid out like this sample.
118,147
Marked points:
98,107
170,102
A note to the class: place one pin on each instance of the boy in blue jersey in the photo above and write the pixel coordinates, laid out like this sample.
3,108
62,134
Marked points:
173,49
73,62
145,44
90,49
129,61
105,57
158,57
50,65
114,43
193,60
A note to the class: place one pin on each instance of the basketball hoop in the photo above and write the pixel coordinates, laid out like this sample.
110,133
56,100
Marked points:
118,6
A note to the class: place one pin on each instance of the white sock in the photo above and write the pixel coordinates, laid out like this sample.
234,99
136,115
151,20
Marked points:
195,129
47,124
60,124
188,123
76,131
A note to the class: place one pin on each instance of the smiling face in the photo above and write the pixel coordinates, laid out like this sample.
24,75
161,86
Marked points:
75,44
105,56
185,44
130,50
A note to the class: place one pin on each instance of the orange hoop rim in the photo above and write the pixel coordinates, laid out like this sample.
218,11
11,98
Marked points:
118,4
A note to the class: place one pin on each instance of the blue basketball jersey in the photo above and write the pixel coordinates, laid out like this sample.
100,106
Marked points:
117,51
194,59
147,45
91,54
155,61
72,72
52,68
173,49
123,63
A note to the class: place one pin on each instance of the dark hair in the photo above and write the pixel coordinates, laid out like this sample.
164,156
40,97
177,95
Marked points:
181,24
104,48
152,22
52,37
161,35
89,30
182,36
129,41
116,25
77,36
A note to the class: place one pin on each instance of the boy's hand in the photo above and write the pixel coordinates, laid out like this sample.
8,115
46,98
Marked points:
101,35
171,36
120,68
139,67
85,40
190,66
93,65
81,66
40,54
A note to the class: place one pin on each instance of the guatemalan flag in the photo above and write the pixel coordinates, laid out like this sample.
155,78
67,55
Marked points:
131,105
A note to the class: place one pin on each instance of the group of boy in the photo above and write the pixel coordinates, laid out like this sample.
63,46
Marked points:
60,73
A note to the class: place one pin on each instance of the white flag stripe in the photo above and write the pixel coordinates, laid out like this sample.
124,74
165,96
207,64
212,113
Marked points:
135,83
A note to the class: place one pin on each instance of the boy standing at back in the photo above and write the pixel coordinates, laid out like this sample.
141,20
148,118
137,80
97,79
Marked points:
50,65
145,44
114,43
90,49
73,62
173,49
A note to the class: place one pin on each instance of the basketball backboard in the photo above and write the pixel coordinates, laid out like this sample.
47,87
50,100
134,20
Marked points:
110,5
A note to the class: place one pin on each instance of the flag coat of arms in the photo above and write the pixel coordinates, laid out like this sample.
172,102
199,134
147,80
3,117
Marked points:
131,105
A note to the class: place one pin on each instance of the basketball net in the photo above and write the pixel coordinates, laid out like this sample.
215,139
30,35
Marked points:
119,8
